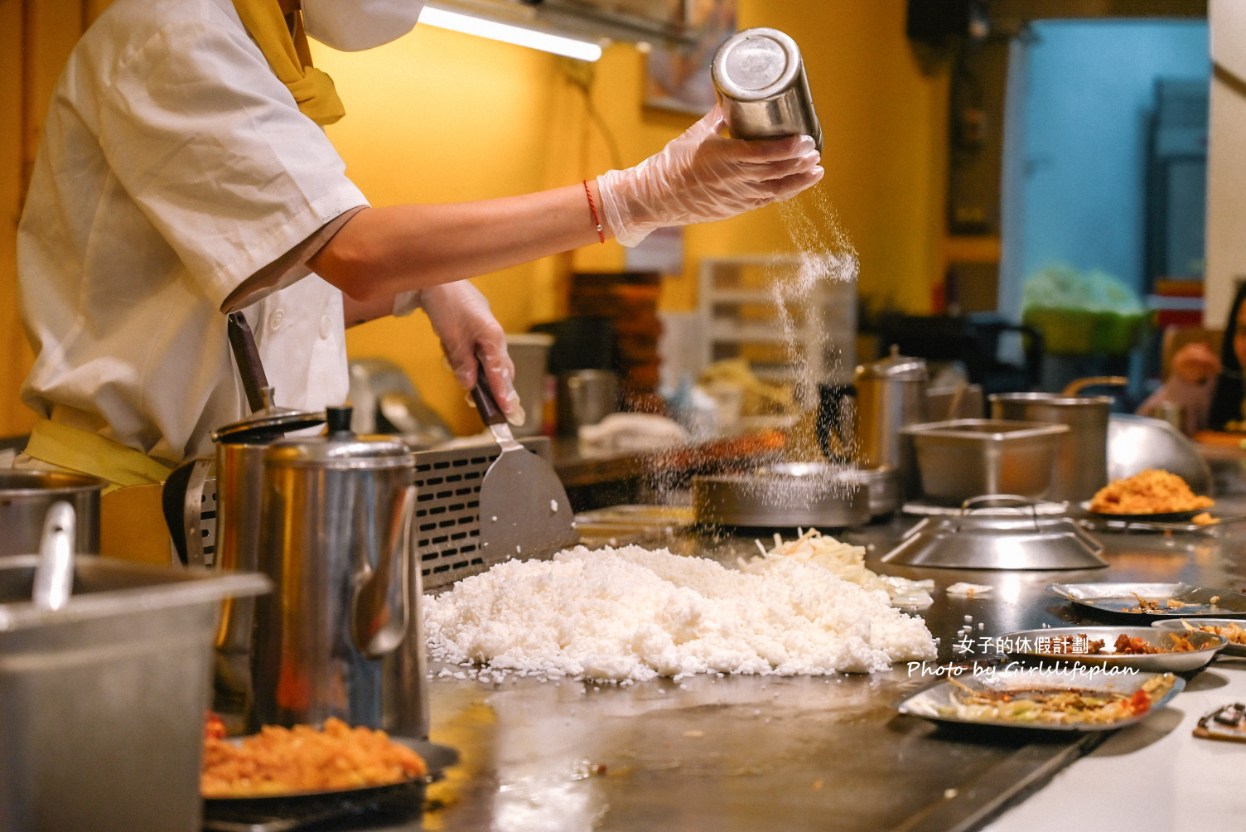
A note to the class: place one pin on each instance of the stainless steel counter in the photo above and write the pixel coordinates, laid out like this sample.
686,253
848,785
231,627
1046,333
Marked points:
753,753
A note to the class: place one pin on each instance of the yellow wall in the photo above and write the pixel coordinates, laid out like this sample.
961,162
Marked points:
439,116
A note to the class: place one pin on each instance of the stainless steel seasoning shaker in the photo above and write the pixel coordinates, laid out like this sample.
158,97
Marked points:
760,81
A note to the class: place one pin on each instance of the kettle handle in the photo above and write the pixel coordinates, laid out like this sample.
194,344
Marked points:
181,498
830,428
382,603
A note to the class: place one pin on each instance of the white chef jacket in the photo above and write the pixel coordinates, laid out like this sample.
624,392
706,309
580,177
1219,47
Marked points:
174,165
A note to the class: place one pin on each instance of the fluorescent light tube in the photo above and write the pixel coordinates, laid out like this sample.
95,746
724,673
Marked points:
518,35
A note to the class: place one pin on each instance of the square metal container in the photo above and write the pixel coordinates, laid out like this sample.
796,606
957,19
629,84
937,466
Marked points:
102,702
965,458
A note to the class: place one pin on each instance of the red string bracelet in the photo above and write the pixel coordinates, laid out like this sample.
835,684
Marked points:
592,209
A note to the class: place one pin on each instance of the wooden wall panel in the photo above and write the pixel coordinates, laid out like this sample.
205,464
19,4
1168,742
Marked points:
36,36
14,354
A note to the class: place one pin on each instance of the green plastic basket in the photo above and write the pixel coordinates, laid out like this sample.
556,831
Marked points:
1086,332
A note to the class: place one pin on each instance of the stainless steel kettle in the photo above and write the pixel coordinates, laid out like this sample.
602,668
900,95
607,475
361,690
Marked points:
341,634
891,394
861,423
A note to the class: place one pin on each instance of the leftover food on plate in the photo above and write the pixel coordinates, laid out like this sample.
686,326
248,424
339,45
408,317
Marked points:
1058,706
303,760
1071,698
1150,492
1162,604
1232,631
1155,600
1138,648
1132,645
1125,645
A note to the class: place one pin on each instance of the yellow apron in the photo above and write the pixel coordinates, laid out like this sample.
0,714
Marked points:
132,524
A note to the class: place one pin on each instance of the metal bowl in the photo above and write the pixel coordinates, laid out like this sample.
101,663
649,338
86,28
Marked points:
1138,443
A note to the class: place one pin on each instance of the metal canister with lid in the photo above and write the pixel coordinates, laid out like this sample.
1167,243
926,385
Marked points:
341,635
760,81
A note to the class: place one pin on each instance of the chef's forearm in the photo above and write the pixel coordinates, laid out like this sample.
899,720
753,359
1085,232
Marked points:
381,252
355,312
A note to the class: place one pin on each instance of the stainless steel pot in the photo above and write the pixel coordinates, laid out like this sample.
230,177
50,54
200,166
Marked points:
585,397
340,636
863,423
1082,456
103,699
26,496
785,495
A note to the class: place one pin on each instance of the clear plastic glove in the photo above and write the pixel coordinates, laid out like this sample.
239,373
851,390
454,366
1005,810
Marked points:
471,337
702,176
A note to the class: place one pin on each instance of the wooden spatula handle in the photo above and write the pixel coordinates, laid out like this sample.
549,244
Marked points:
490,413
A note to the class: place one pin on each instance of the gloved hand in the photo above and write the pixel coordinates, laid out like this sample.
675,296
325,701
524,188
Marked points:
470,334
702,176
1195,363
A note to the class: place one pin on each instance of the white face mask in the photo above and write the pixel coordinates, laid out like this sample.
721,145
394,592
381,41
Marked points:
355,25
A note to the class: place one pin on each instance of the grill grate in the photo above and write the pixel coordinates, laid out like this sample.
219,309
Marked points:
446,528
445,531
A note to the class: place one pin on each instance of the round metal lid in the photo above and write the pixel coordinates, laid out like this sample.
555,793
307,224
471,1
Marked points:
340,447
994,541
268,424
894,366
756,64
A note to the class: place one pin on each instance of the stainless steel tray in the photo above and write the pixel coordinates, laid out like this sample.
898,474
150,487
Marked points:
939,703
1178,625
1071,644
1124,599
964,458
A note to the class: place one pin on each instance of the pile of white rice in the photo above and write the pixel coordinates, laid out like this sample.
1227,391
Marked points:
630,614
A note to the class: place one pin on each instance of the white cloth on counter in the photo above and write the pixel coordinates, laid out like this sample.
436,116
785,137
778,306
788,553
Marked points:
175,166
633,432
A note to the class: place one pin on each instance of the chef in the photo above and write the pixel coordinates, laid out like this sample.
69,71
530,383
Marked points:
183,174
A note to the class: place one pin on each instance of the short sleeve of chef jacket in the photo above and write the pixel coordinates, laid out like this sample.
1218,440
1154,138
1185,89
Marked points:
213,149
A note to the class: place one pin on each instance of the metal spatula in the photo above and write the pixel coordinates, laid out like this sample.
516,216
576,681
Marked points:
524,509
